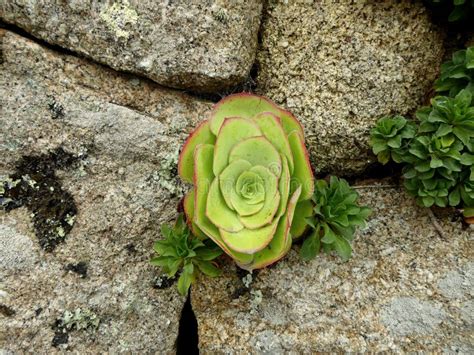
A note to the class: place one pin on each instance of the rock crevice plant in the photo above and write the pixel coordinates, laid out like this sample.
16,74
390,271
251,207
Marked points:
253,194
437,158
250,171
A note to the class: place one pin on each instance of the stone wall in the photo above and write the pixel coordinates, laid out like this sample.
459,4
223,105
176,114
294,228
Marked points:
96,99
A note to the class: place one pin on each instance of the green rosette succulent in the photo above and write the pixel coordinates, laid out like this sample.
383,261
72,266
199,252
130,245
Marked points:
449,116
389,138
428,192
457,74
250,171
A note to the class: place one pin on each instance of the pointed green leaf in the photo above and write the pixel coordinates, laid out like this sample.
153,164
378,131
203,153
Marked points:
311,247
207,268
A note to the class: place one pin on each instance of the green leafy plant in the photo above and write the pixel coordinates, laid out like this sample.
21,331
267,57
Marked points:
457,74
438,160
180,250
459,10
389,138
250,172
336,215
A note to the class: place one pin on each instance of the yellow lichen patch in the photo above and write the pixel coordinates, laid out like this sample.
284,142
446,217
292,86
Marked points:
118,16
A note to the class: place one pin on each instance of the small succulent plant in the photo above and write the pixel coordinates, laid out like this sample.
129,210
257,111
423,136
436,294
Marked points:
389,138
180,249
250,171
439,158
335,217
457,74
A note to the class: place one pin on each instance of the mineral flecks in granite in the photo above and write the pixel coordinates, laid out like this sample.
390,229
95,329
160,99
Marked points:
206,46
340,66
122,127
386,298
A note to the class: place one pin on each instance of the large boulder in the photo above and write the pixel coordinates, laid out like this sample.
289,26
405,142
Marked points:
88,173
409,287
340,66
197,45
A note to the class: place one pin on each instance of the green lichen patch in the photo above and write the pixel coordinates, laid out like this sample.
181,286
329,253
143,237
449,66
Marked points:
79,319
35,185
167,176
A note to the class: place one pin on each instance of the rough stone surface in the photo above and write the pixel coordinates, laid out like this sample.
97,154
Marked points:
458,284
386,298
340,66
16,250
125,133
198,45
407,315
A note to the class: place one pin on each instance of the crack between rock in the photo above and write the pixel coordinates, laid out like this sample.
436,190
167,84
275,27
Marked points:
212,97
187,340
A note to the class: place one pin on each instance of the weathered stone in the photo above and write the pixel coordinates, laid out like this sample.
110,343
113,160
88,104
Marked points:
410,316
340,66
199,45
110,141
458,284
384,299
16,250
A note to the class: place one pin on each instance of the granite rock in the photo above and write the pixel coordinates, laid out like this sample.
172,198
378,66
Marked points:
340,66
197,45
105,144
386,298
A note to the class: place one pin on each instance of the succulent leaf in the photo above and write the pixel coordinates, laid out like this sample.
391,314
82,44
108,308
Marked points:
202,135
458,73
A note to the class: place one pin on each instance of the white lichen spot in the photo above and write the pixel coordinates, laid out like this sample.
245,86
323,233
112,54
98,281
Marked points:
8,183
60,232
256,300
247,280
167,176
32,183
80,319
118,17
70,219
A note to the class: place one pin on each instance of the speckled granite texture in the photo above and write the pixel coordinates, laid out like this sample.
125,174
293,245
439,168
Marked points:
340,66
191,44
406,289
125,133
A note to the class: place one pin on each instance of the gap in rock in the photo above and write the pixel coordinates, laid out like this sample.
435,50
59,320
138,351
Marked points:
213,97
187,341
21,32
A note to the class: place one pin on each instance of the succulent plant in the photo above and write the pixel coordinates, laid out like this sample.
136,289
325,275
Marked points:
335,218
180,249
439,159
389,138
457,74
428,192
250,170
